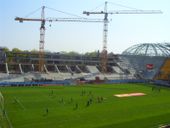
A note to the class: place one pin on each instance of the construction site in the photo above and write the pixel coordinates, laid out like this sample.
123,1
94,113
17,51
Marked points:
142,62
139,64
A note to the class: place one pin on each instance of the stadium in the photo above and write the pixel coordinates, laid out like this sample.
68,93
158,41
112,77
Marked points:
73,92
140,62
40,89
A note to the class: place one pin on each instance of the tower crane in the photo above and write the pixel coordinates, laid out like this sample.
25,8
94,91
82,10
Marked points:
103,56
43,20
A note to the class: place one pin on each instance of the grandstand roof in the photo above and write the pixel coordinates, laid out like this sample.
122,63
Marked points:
149,49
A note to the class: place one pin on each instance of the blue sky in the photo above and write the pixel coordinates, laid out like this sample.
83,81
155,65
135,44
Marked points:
124,30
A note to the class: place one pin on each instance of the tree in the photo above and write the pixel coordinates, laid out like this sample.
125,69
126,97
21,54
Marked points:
71,53
16,50
5,49
92,54
34,51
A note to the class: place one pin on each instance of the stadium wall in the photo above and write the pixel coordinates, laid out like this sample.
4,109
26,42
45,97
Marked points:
59,82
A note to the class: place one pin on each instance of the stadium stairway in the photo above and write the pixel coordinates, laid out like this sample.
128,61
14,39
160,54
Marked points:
93,69
126,65
117,69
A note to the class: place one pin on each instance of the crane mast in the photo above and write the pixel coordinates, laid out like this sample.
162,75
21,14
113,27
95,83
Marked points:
103,56
42,41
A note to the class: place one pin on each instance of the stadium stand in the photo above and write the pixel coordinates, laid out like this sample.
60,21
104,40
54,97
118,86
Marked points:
3,76
93,69
164,72
137,66
139,63
117,69
83,68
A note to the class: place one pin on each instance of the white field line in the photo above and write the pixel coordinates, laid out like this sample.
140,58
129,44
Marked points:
21,105
9,122
4,113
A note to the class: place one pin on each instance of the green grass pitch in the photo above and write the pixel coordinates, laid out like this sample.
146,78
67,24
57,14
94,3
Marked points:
87,106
